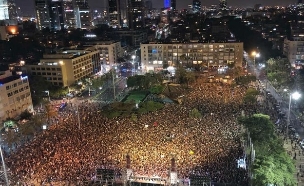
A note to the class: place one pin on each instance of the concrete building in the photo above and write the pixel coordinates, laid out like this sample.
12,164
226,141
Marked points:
136,14
154,56
15,95
4,10
67,66
7,32
109,51
43,18
294,51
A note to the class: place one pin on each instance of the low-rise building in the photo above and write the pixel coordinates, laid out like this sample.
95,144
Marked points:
294,50
155,56
15,95
67,66
109,51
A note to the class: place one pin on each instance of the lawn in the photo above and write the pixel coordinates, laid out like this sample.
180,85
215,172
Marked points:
137,96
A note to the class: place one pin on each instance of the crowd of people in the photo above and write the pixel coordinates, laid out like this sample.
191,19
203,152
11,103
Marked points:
208,146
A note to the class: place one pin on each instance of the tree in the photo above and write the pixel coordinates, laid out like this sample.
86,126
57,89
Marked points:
25,115
157,89
98,82
272,165
194,113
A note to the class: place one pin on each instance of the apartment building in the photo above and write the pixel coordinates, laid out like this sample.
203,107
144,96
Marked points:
294,50
109,51
67,66
15,95
154,56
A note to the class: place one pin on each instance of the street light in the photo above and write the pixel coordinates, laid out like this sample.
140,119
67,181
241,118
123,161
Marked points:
133,57
255,55
295,96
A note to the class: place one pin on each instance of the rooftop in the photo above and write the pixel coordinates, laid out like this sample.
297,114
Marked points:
10,79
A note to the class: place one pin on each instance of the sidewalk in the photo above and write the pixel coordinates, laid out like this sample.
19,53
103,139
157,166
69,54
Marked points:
295,151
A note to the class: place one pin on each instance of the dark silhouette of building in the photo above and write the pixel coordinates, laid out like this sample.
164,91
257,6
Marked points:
300,1
114,12
136,14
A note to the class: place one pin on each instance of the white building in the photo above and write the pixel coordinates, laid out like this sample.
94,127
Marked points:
4,13
294,50
154,56
67,67
15,95
109,51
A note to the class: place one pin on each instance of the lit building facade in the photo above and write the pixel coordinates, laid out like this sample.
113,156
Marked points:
83,14
4,13
12,10
136,14
155,56
15,95
42,14
69,14
114,13
67,67
294,50
109,51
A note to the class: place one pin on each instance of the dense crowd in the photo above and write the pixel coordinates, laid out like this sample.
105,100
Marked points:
209,146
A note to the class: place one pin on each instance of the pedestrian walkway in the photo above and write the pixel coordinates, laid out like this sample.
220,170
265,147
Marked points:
295,151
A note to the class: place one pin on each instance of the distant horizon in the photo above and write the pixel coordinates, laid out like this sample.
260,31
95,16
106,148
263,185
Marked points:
28,8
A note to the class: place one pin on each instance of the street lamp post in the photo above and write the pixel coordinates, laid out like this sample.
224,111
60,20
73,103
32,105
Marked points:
295,96
255,55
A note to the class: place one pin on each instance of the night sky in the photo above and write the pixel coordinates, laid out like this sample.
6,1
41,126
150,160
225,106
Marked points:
27,6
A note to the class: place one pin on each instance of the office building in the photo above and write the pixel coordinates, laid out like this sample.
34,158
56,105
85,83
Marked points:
67,66
69,14
109,51
83,15
42,14
15,95
57,15
12,10
294,50
4,13
196,6
136,14
114,13
154,56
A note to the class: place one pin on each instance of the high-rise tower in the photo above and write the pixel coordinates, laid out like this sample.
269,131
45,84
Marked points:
42,8
82,14
136,14
114,12
4,14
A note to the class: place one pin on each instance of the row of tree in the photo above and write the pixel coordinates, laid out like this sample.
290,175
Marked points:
279,73
272,165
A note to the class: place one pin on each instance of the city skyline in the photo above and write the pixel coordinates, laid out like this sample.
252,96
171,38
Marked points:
27,6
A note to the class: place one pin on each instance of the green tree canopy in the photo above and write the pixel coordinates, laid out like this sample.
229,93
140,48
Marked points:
194,113
272,164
